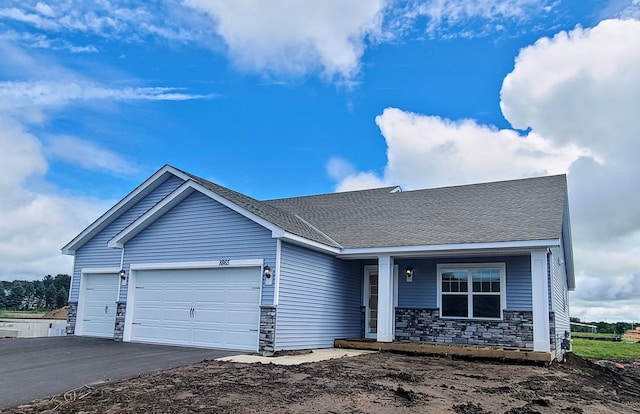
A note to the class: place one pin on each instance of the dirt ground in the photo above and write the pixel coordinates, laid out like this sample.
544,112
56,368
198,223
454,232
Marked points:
373,383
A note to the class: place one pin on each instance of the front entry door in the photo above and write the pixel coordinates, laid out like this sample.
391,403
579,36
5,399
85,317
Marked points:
371,302
370,299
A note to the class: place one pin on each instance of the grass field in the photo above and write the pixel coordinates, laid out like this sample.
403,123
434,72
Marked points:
606,349
22,314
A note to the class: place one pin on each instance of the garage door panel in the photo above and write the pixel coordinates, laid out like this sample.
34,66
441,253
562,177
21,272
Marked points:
176,334
210,296
100,292
247,318
225,305
204,316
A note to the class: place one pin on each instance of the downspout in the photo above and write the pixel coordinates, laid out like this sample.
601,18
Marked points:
119,278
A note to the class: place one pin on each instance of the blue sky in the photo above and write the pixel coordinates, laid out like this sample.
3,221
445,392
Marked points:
281,98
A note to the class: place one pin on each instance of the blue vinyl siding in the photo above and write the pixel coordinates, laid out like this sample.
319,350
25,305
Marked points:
201,229
95,252
559,297
320,299
422,292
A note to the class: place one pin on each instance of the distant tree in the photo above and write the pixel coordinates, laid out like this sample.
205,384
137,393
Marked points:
16,296
61,298
41,293
47,280
574,319
3,298
51,296
62,281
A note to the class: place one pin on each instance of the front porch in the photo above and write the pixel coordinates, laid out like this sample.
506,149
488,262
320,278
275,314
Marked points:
449,350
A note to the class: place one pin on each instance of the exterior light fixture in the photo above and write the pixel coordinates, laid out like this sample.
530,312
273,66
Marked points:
267,272
409,273
123,274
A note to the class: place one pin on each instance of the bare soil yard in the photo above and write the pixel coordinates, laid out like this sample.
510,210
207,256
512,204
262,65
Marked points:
374,383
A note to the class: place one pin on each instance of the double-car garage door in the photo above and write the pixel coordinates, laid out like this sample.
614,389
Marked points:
216,308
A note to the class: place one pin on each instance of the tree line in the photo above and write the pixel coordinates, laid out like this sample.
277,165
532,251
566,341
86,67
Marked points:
617,328
49,293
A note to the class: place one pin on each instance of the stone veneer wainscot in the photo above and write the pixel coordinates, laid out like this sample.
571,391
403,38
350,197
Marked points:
425,325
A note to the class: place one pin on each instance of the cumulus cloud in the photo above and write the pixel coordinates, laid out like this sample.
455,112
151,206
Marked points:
33,225
573,102
36,217
295,37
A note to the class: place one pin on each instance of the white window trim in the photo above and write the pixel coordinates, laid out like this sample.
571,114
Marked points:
468,266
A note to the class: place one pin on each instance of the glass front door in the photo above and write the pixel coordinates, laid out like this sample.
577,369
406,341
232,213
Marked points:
371,328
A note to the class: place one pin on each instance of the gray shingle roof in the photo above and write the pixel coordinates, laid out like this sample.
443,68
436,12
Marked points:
517,210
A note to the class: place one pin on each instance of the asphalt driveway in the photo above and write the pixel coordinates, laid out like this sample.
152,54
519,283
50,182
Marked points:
35,368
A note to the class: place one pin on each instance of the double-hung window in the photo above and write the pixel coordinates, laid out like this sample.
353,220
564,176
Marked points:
471,291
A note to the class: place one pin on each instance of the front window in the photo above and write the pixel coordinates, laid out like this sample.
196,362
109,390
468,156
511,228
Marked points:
471,290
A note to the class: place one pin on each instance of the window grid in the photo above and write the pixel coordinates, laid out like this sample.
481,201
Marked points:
471,291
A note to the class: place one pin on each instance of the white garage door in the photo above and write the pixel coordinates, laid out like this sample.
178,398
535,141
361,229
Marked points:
100,293
217,308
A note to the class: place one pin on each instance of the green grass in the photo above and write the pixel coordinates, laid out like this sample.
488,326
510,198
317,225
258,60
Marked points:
588,348
593,335
30,314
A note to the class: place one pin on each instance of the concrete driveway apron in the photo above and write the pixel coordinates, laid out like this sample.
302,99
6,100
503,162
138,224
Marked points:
35,368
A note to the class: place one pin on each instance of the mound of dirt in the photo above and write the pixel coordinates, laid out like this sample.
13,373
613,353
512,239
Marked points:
373,383
57,313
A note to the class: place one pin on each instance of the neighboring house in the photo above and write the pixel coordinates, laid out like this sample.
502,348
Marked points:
486,264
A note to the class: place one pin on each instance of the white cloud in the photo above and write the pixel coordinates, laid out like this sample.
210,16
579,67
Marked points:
444,15
89,156
36,217
427,151
295,37
578,96
275,37
33,225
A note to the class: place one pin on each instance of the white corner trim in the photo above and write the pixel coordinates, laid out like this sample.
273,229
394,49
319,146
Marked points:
222,263
540,300
386,310
276,286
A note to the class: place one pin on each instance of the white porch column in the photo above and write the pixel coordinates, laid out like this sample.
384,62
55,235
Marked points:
540,293
386,310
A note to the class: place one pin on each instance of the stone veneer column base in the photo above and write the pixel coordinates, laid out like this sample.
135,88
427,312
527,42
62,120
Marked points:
267,343
425,325
72,312
118,331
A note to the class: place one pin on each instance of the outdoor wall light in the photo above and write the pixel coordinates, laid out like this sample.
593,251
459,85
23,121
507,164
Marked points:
267,272
123,274
409,273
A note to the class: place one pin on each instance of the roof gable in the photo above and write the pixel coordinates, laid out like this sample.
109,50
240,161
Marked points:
122,206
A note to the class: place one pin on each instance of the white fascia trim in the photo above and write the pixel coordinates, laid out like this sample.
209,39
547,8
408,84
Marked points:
89,270
314,245
71,247
222,263
373,251
174,198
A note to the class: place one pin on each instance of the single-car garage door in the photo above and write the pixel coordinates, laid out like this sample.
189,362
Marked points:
99,308
217,308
